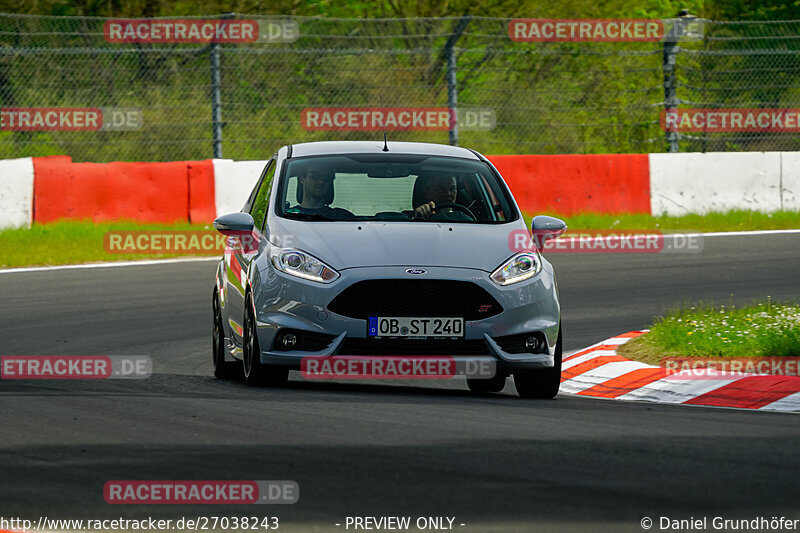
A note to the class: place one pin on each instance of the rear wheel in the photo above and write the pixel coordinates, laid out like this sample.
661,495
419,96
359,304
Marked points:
541,383
255,372
493,384
222,369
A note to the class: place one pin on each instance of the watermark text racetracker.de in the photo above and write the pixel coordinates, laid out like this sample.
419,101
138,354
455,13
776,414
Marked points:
175,31
711,368
187,242
182,524
75,367
165,242
606,242
183,492
604,30
720,523
397,118
71,119
396,367
730,120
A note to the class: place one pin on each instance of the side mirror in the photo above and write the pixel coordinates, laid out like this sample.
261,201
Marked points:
239,225
234,224
544,228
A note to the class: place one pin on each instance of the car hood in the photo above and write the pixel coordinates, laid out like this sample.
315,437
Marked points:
345,245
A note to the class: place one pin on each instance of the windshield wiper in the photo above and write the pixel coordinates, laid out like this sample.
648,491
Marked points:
308,216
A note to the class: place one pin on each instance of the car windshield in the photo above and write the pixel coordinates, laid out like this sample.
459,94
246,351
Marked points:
387,187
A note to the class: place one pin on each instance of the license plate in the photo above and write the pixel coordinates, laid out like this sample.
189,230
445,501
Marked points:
380,326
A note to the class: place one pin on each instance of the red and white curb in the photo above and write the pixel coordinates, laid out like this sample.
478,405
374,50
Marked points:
599,371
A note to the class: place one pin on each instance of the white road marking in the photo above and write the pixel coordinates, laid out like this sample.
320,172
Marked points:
587,357
787,403
110,264
753,233
675,390
601,374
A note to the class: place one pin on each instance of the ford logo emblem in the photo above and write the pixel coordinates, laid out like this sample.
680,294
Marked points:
417,271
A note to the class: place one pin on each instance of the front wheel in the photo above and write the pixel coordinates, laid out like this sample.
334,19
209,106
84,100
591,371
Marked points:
222,369
541,383
255,372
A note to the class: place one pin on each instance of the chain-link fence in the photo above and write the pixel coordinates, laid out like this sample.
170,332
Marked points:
244,100
741,65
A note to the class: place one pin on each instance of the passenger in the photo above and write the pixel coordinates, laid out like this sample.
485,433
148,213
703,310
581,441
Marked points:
315,193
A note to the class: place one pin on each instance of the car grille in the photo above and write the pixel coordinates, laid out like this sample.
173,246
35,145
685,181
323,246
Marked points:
359,346
415,298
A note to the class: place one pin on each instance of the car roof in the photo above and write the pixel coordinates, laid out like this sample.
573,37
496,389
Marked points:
368,147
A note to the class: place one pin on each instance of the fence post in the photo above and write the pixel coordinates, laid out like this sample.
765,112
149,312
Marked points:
216,95
671,50
216,112
452,67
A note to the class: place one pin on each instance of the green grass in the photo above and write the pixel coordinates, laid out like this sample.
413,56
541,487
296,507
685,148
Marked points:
70,242
737,220
764,329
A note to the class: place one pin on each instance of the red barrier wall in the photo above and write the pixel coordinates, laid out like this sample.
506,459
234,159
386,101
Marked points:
201,191
569,184
184,190
149,192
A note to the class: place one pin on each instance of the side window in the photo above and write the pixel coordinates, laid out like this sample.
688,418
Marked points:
259,208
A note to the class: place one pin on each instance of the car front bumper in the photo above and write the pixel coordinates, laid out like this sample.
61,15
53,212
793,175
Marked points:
286,302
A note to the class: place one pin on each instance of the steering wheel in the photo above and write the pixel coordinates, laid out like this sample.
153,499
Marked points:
456,207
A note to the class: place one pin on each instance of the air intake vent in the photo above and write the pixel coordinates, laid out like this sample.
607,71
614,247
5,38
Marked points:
412,297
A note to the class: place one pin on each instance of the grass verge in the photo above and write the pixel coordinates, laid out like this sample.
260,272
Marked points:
764,329
736,220
71,242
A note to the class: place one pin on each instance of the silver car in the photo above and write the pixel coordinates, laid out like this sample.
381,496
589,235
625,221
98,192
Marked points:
386,249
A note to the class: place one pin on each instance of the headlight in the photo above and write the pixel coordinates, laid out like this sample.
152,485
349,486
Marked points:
302,265
520,267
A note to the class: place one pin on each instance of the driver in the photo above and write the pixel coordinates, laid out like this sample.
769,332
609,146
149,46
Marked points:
439,190
315,193
436,189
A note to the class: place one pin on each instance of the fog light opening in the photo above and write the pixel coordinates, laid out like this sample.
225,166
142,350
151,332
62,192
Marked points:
534,344
287,340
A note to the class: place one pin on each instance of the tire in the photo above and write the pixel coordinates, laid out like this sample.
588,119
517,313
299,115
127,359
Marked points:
222,369
494,384
255,372
541,384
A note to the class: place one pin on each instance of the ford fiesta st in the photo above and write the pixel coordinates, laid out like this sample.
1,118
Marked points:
379,249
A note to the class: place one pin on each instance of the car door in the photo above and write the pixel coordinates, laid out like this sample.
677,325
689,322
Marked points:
238,255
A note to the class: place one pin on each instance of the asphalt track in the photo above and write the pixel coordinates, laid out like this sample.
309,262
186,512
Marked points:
377,449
